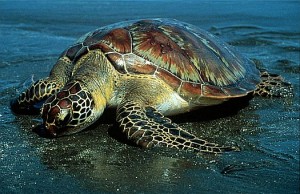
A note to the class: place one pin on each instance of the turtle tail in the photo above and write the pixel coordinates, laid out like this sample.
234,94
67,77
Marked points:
273,85
27,102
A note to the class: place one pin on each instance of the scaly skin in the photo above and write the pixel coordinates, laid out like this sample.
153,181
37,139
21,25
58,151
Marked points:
79,103
273,85
43,88
68,110
147,127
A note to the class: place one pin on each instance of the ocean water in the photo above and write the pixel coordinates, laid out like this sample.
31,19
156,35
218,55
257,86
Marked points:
34,33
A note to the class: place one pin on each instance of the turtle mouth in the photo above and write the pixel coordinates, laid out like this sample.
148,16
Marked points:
45,132
51,130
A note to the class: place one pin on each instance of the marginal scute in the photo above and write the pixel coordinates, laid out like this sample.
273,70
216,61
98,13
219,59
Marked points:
95,37
190,89
101,46
72,52
169,78
117,61
82,51
212,91
236,91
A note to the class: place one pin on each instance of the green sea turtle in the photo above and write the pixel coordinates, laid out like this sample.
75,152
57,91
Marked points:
146,69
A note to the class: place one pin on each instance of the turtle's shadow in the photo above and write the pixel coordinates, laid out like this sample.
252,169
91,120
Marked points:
226,109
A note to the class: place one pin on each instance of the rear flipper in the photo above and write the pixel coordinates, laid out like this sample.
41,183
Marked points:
273,85
37,92
147,128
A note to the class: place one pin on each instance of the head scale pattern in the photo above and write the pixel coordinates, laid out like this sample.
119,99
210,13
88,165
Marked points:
68,108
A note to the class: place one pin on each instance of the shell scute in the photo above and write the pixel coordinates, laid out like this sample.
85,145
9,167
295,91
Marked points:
191,61
119,40
157,47
139,65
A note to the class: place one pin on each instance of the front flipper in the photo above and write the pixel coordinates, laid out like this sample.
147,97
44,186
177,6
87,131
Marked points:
37,92
273,85
147,127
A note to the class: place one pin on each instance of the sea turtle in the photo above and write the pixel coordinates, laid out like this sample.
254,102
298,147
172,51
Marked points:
146,69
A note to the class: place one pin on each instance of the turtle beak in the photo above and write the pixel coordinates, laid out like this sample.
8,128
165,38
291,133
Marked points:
51,130
47,131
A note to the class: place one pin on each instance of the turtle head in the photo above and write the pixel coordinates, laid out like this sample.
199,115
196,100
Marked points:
70,110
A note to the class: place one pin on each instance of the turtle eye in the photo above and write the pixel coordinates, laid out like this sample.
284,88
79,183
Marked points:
63,118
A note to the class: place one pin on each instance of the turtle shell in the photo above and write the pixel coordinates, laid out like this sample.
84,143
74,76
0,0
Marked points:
190,60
